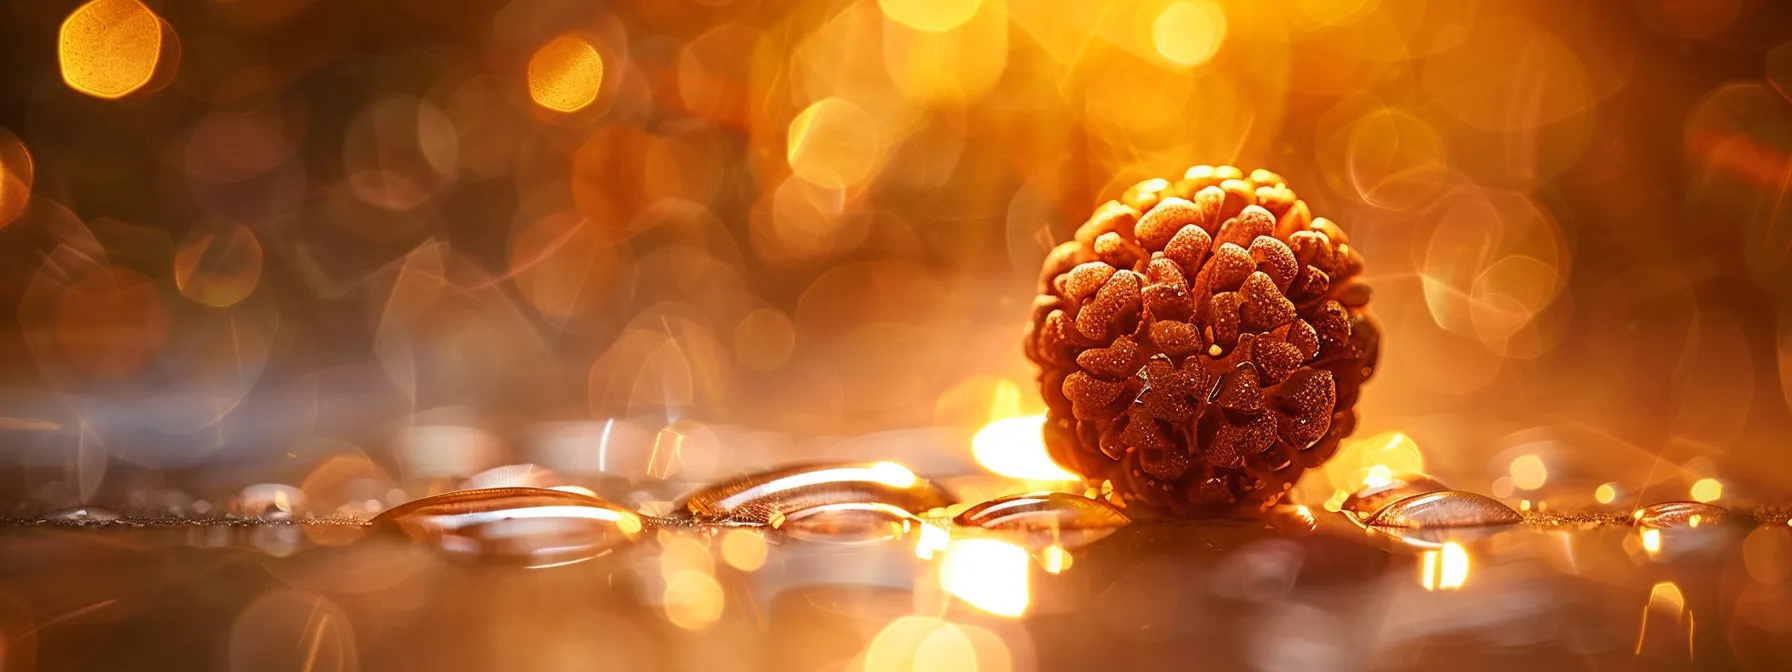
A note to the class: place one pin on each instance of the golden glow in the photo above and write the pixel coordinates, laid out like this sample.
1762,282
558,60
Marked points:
1445,568
1663,597
893,475
1361,463
17,173
1606,493
1529,472
1652,540
693,599
1188,33
935,16
575,489
743,550
565,74
1054,559
833,143
987,574
1707,490
1013,447
931,540
110,48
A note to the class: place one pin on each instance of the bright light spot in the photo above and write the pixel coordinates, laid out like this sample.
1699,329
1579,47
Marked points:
1444,569
1014,448
1054,559
936,16
743,550
109,48
565,74
1189,33
693,599
933,539
833,144
1379,475
1606,493
1707,490
1529,472
1666,596
988,574
1694,520
1652,540
575,489
1524,505
893,475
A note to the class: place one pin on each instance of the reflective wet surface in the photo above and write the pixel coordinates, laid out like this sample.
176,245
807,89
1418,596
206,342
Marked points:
518,577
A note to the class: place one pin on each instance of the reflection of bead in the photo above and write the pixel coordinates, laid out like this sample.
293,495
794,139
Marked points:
1201,342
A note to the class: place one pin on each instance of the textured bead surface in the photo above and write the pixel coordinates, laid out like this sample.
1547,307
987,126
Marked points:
1201,342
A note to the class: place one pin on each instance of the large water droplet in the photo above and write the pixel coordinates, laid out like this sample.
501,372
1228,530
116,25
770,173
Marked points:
1371,499
1679,514
847,523
81,515
1450,508
757,497
1047,518
534,526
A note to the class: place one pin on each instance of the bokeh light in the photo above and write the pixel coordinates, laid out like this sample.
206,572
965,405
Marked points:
565,74
1189,32
218,268
111,48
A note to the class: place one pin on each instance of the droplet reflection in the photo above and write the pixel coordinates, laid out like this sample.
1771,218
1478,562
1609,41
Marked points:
1678,514
755,498
1450,508
1047,518
847,523
1365,503
533,526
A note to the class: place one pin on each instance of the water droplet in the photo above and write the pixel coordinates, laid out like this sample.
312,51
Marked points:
1449,508
269,501
82,515
1371,499
847,523
757,497
537,527
1047,518
1678,514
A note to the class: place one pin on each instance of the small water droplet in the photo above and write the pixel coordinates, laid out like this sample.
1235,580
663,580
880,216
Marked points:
537,527
269,501
82,515
1678,514
1047,518
847,523
1365,503
756,498
1449,508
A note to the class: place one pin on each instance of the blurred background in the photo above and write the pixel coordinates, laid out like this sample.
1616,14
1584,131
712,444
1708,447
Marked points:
352,252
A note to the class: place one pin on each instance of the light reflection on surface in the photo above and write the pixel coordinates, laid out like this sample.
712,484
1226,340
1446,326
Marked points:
988,574
1012,447
1444,569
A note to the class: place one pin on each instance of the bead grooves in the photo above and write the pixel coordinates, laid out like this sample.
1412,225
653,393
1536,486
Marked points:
1201,342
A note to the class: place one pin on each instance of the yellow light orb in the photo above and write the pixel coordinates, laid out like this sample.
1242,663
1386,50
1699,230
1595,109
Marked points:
565,74
109,48
1189,33
1529,472
1707,490
1604,494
